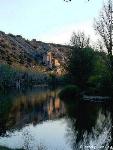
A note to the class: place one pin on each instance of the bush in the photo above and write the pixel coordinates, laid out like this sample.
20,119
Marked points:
9,77
81,65
69,92
100,86
101,81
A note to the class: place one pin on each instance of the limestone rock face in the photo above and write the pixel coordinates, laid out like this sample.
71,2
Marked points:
16,49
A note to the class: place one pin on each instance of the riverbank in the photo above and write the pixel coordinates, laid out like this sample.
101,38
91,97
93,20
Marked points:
72,92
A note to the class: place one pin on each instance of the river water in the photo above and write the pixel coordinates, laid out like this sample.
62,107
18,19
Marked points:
36,119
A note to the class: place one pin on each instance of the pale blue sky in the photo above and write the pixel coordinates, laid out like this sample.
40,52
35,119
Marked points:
47,20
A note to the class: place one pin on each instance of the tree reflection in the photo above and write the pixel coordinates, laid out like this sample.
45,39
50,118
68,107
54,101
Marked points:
89,126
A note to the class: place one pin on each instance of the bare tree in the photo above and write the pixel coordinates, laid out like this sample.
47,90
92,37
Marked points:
104,26
80,40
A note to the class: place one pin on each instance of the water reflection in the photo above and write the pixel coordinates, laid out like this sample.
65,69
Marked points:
33,107
98,138
89,125
38,120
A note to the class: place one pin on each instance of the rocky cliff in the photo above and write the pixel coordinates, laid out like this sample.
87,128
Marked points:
14,49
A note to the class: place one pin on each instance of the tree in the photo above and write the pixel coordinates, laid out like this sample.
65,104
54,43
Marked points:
80,40
104,26
80,60
81,65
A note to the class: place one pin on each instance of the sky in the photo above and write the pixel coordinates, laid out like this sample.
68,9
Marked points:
48,20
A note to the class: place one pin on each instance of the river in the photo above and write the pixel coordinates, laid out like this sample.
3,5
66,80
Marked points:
36,119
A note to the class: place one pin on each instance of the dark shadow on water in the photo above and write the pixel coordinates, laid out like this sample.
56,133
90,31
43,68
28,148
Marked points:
88,124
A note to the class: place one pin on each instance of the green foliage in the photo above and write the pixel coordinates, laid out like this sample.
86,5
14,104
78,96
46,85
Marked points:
6,75
69,92
52,78
90,70
9,77
101,79
81,64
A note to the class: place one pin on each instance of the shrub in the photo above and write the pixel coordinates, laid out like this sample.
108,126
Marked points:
69,92
81,65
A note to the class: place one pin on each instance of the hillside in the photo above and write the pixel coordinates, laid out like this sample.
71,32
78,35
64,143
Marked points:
19,52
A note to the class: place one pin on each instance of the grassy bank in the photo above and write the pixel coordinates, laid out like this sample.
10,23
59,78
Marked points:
12,77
